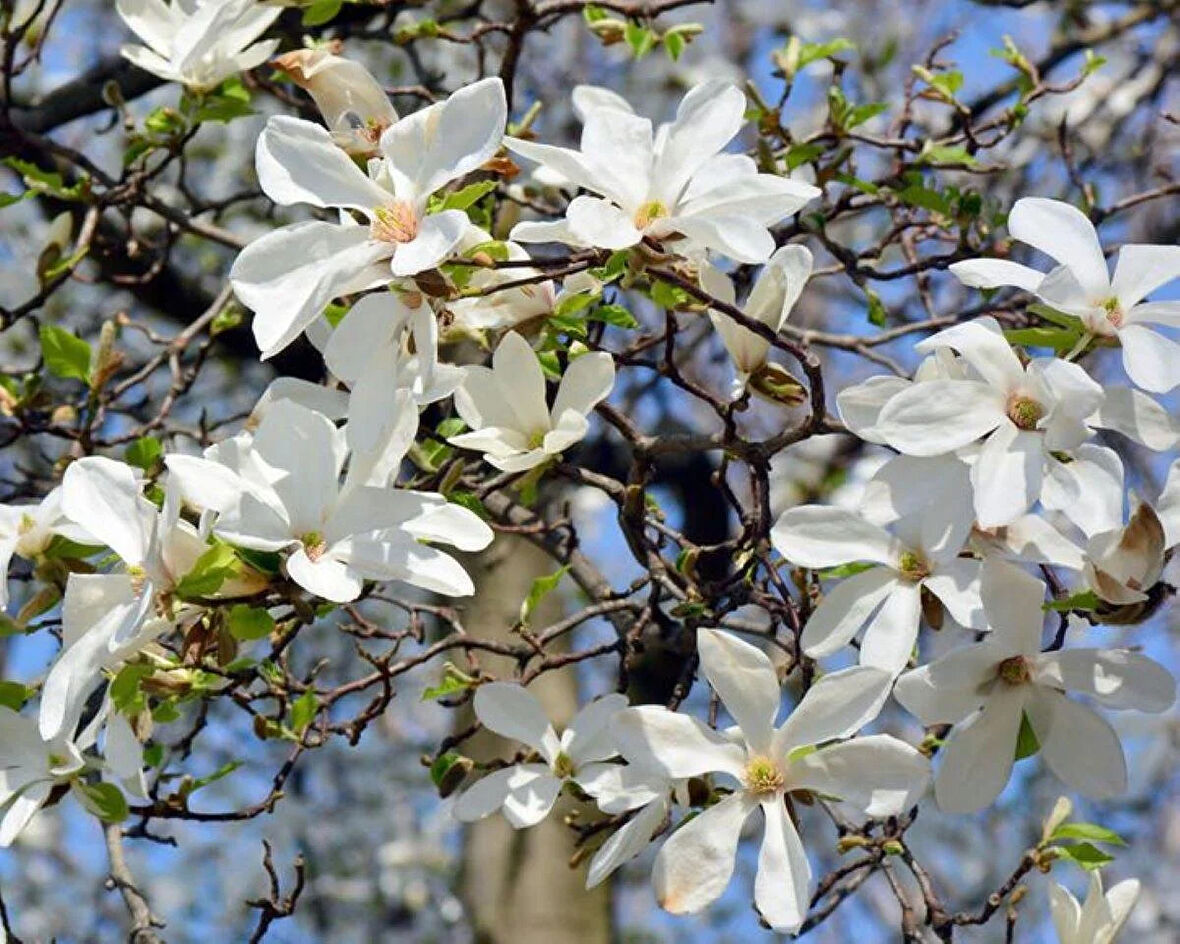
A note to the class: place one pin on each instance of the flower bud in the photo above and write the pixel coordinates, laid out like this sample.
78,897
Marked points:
775,383
609,30
353,103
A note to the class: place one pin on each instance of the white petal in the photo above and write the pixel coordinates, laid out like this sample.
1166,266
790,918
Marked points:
949,689
105,498
287,277
732,236
827,536
1088,490
676,744
1066,911
629,840
1140,270
302,450
706,120
744,679
984,347
860,405
532,791
372,323
994,273
782,884
521,383
1065,233
1117,678
1138,416
1151,360
956,584
977,759
889,638
1007,475
438,236
939,416
1061,725
1012,600
514,712
484,797
696,862
878,774
618,145
298,162
586,383
328,578
837,706
588,737
440,143
844,609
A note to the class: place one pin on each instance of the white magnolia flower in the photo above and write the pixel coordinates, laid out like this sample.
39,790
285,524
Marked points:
354,105
198,43
505,406
526,792
770,302
1023,414
1168,506
920,554
669,183
281,491
1100,919
27,530
288,276
106,619
647,794
32,765
985,690
879,775
1081,285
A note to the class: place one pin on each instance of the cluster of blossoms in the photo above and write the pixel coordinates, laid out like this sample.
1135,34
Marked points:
307,501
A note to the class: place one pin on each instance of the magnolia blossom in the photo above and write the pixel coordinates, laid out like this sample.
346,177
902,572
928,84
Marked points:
289,275
27,530
526,792
354,105
281,491
770,302
647,794
669,183
879,775
198,43
1100,919
986,690
511,422
32,765
888,597
1023,414
1082,286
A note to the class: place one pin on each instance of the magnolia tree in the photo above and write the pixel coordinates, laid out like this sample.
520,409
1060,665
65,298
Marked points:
900,353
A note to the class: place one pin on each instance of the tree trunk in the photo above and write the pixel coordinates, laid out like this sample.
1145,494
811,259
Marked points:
514,882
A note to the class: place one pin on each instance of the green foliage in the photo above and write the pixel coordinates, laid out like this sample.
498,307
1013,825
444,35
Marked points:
303,711
247,623
65,354
212,569
104,800
541,588
144,453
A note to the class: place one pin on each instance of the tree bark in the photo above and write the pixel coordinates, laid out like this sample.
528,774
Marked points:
514,882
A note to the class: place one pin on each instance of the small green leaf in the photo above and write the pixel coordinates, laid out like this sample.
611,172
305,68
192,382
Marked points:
639,38
65,354
104,800
125,691
1026,742
1086,601
13,694
450,685
673,45
144,452
470,501
303,711
541,587
211,570
800,154
878,315
249,622
1088,856
592,14
223,771
321,11
615,315
1087,831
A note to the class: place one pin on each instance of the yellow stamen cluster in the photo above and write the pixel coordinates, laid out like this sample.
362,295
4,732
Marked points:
1114,312
1014,671
1025,412
648,213
563,765
314,544
395,223
763,776
913,566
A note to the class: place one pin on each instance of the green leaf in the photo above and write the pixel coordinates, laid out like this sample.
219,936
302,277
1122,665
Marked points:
846,570
165,712
673,45
470,501
1087,831
47,181
859,114
615,315
321,11
878,314
1059,339
13,694
1055,316
1088,856
813,52
144,453
450,685
223,771
61,548
572,304
249,622
668,296
1085,600
303,711
464,198
942,154
1026,742
104,800
230,101
211,570
592,14
125,691
265,562
65,355
153,754
799,154
639,38
8,199
924,197
542,586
